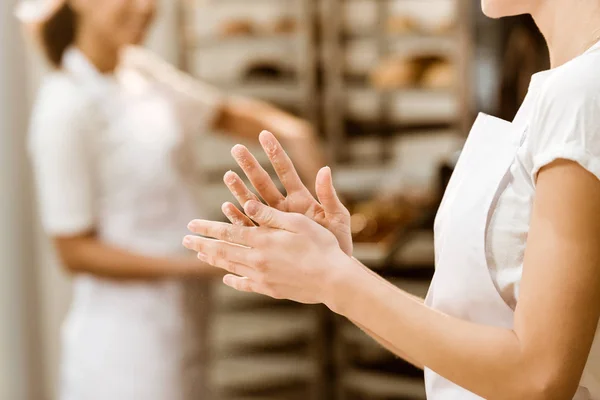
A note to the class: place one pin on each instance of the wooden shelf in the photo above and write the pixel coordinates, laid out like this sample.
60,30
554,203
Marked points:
259,373
267,328
410,107
382,386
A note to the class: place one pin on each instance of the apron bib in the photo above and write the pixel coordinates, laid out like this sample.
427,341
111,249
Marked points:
462,286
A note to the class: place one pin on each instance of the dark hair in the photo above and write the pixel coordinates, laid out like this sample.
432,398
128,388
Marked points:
58,33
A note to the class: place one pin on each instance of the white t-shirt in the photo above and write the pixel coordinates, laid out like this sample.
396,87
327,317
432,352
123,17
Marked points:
113,154
561,113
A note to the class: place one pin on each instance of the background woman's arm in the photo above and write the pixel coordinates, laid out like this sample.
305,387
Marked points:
86,254
555,321
246,118
238,116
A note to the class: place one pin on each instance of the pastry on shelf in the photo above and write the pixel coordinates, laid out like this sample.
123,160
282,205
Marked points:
394,73
267,70
444,26
439,75
401,24
282,25
236,27
376,220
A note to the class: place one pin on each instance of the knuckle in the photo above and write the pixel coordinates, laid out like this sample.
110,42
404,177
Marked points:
261,263
245,285
220,253
231,267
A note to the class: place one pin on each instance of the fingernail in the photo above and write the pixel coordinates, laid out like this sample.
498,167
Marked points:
202,257
191,225
235,150
251,207
187,241
227,279
229,177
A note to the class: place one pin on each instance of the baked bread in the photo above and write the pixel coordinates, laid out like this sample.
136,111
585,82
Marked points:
394,74
239,27
401,24
439,75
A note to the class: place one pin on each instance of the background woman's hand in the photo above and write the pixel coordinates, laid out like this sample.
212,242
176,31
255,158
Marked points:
288,256
329,211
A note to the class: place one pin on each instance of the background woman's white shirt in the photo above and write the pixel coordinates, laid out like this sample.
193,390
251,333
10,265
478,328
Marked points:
561,114
112,153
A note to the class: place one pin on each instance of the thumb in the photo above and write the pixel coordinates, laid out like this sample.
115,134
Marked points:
326,192
266,216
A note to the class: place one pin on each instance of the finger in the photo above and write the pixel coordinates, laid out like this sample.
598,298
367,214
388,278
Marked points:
229,266
268,216
235,216
238,188
327,194
225,256
245,284
281,163
226,232
211,250
240,283
259,178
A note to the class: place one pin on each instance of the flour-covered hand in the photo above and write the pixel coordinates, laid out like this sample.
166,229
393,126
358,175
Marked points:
286,256
327,211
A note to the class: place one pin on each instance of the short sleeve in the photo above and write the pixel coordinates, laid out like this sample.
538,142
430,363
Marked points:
566,125
61,162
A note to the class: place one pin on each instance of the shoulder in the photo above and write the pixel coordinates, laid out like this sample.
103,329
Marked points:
566,119
574,88
60,108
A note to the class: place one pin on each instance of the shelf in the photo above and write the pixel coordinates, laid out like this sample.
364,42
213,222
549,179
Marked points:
205,42
407,107
377,385
362,55
267,328
418,252
259,373
361,15
231,60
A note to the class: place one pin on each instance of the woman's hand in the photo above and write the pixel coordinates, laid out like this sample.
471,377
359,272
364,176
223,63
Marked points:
288,256
328,211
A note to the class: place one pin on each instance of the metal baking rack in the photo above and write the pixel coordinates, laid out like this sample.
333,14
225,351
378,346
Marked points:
320,356
257,348
357,39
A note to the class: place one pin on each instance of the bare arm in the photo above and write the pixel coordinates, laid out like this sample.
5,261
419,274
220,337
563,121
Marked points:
544,355
386,344
86,254
238,116
246,118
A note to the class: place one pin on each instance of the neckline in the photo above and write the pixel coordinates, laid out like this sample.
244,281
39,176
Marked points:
76,63
540,77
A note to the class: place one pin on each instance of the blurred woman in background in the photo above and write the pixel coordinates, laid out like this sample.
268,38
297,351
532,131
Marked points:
111,143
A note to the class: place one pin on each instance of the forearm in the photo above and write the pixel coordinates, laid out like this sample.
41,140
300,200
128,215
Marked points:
247,118
386,344
486,360
91,256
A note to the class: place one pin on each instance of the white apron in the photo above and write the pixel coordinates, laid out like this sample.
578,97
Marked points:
462,286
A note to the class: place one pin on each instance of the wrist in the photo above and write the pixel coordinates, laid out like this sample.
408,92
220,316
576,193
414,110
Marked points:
342,284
